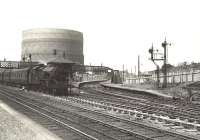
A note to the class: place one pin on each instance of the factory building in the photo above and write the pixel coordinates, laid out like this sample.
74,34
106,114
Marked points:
45,44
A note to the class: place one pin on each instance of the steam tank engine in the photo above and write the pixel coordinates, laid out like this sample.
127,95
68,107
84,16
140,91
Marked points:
56,79
53,78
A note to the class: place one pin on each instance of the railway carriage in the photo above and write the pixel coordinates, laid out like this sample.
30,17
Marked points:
6,76
19,77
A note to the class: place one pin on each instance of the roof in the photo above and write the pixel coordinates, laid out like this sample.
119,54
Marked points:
60,61
50,33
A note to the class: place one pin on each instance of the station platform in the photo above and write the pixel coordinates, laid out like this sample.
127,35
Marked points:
161,93
79,84
16,126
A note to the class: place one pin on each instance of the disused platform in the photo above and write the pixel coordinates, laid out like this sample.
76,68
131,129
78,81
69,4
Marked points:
134,89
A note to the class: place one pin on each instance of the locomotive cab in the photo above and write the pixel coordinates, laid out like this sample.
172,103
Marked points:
56,80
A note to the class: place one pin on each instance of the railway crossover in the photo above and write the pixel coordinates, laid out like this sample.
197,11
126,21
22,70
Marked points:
91,128
173,114
45,118
115,128
152,104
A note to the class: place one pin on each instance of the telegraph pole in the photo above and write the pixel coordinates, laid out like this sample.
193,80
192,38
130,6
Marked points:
139,69
135,70
131,73
138,66
123,73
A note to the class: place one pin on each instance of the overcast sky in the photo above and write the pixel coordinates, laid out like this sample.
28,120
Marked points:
115,31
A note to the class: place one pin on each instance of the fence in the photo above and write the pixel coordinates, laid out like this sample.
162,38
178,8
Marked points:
16,64
90,77
171,78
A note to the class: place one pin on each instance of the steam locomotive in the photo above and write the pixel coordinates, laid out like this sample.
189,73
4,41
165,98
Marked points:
53,78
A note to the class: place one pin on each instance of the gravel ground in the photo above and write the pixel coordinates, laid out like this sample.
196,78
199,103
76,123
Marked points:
15,126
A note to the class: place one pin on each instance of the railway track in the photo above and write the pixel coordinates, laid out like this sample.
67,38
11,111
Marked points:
85,127
174,109
122,131
187,117
106,130
46,119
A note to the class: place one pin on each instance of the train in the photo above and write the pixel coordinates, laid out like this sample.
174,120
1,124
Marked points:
53,78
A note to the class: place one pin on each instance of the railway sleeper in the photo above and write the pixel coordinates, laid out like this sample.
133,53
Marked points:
151,116
145,116
198,128
188,126
191,120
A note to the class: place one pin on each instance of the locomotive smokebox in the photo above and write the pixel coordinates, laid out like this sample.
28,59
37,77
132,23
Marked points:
46,44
